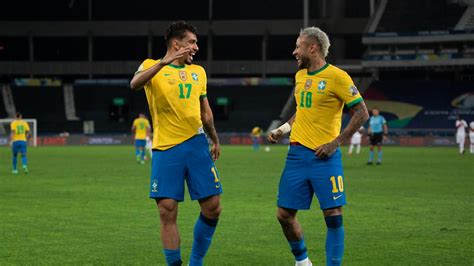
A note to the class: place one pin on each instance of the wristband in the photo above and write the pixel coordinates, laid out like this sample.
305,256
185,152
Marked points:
285,128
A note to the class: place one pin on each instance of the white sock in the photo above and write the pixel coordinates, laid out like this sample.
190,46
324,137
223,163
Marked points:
358,148
304,262
350,148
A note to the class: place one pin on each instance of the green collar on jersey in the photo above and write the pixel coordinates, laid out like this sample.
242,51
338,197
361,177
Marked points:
319,70
175,66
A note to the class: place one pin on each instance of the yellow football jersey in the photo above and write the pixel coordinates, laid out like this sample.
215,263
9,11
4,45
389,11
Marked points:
256,132
141,125
20,128
173,96
320,98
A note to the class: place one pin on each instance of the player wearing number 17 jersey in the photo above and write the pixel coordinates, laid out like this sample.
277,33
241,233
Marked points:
176,91
313,165
20,131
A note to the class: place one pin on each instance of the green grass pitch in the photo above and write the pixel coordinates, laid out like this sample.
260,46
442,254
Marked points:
89,205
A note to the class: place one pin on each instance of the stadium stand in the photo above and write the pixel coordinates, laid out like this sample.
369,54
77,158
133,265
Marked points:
409,16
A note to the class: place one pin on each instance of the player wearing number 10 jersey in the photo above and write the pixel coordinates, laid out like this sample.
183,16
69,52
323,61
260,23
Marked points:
313,165
176,91
20,131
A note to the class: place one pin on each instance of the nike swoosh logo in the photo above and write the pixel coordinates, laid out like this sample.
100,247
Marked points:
335,198
218,186
167,74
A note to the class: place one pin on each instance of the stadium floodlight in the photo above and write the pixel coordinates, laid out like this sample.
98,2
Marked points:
5,127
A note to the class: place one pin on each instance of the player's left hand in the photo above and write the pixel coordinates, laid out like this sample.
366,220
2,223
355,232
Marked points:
326,150
215,151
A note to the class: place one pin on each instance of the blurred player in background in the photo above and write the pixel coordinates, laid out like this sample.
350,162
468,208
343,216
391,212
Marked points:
256,136
461,127
377,131
149,146
141,130
356,140
176,91
313,164
20,132
471,136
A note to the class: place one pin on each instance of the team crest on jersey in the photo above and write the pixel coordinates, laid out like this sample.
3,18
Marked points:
154,186
321,85
307,84
353,90
183,76
195,76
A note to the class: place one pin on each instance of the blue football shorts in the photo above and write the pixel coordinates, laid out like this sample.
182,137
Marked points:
188,161
140,143
19,146
305,175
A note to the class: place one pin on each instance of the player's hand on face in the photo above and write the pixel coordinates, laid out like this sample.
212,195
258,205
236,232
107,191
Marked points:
169,58
274,135
326,150
215,151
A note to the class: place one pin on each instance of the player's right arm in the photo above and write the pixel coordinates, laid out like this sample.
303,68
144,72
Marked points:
141,78
275,135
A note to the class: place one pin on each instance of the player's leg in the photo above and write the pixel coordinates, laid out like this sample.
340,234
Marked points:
327,179
204,228
334,236
168,209
167,188
24,161
142,154
295,193
14,157
350,149
461,144
137,150
204,185
358,148
471,139
380,153
294,234
371,154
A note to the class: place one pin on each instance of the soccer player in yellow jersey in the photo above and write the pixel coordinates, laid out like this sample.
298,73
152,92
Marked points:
176,91
20,132
141,130
256,134
313,165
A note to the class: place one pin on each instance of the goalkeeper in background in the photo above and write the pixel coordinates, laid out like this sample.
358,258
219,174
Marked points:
256,135
20,132
141,130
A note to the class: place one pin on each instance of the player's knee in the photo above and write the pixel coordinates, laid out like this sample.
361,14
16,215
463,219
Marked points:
167,211
284,217
213,211
333,221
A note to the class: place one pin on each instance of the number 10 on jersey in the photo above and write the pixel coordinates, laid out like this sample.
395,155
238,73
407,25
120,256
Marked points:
185,90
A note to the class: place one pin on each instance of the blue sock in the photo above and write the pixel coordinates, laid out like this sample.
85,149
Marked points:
142,154
173,257
24,161
371,156
14,162
380,156
203,231
137,152
334,240
298,248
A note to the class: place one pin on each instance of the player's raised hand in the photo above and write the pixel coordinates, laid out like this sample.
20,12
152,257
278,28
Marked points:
170,57
326,150
215,151
274,135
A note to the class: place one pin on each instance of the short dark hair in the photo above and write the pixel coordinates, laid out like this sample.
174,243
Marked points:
178,30
18,115
375,108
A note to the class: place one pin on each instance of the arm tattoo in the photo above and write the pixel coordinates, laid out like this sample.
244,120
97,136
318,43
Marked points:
208,124
359,116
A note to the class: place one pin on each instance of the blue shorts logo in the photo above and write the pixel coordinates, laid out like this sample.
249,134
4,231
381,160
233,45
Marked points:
154,186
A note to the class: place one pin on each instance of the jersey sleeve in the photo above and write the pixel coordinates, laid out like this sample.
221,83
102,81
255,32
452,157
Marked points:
12,126
383,120
346,90
134,123
145,65
203,93
27,127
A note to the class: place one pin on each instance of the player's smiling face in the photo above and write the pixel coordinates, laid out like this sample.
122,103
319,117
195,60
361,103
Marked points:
302,52
190,41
